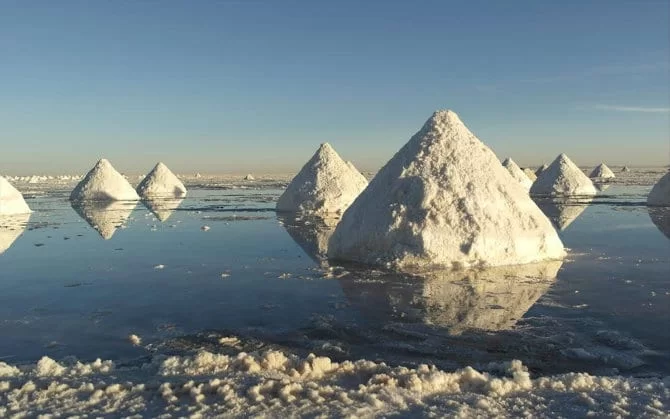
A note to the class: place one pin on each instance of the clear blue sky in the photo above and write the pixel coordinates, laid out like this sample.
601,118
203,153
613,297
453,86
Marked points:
255,86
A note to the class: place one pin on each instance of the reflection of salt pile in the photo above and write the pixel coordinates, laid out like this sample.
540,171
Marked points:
325,185
541,169
659,196
444,200
103,183
563,177
530,174
563,211
489,299
161,182
602,172
661,218
11,227
311,233
162,208
11,200
105,216
517,173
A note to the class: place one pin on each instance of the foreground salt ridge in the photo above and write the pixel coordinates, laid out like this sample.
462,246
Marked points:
11,200
160,182
326,184
561,178
103,183
277,384
517,173
444,183
660,193
602,172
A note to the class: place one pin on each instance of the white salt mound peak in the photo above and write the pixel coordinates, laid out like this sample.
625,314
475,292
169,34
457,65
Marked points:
444,200
104,183
602,172
249,177
161,182
660,193
541,169
530,174
562,177
325,185
11,200
517,173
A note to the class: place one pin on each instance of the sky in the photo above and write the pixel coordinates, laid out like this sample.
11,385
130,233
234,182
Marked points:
257,85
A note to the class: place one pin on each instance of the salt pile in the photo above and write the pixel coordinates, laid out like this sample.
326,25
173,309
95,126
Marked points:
11,228
11,200
541,169
517,173
625,169
563,177
325,185
249,177
530,174
602,172
444,200
105,216
659,196
103,183
161,183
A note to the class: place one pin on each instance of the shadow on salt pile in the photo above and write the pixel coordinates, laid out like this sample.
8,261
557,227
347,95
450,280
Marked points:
105,216
660,216
11,228
490,299
311,233
162,208
563,211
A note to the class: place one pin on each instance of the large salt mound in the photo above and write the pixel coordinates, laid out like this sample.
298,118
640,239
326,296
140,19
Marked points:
103,183
444,200
325,185
517,173
602,172
11,200
563,177
659,196
161,182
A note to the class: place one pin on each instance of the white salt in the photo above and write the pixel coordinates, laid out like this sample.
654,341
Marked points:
602,172
11,228
103,183
530,174
444,200
249,177
660,193
541,169
11,200
563,177
161,183
517,173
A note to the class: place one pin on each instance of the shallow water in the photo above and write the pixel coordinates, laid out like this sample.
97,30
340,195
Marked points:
69,289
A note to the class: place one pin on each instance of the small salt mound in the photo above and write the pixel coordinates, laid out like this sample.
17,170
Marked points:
11,200
660,193
563,177
161,182
625,169
530,174
325,185
103,183
541,169
444,200
602,172
249,177
517,173
11,228
660,217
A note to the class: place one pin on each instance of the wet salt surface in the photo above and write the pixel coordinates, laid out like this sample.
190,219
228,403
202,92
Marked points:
65,291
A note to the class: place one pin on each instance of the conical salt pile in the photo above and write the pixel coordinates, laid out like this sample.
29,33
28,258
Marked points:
249,177
517,173
541,169
162,183
103,183
602,172
660,193
11,200
562,177
625,169
530,174
325,185
444,200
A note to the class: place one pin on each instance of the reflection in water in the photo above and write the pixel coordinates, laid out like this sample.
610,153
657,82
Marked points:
563,211
601,186
490,299
311,233
11,227
162,208
105,216
660,216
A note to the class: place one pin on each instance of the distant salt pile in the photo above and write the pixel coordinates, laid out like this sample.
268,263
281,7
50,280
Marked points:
325,185
249,177
103,183
625,169
161,183
11,200
602,172
517,173
562,178
660,193
541,169
530,174
444,200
